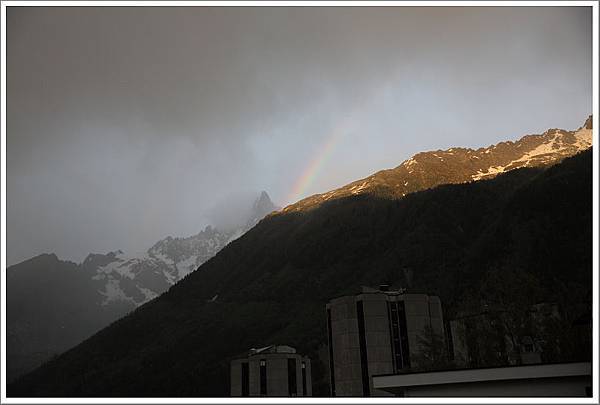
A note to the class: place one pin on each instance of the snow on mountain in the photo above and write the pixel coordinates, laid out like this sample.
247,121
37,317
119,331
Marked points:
548,148
460,165
138,279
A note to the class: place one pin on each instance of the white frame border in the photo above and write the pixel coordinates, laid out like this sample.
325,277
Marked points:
304,3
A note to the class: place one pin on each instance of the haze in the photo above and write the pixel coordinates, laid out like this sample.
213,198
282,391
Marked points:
125,125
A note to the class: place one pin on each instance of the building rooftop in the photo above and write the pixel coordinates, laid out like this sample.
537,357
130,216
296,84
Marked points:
272,349
383,288
482,374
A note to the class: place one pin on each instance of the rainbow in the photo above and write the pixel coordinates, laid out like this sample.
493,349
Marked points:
347,124
323,154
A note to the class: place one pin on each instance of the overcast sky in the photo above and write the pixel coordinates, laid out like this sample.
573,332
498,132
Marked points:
125,125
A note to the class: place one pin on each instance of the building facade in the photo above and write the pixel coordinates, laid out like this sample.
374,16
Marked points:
378,332
272,371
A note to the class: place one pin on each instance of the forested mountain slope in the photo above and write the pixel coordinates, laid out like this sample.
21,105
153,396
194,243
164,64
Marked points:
530,228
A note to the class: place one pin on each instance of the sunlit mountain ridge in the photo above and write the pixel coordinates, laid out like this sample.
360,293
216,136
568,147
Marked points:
460,165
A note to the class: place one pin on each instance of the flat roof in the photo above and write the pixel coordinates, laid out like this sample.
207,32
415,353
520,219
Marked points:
482,374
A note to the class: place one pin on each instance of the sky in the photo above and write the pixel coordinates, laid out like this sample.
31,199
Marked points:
126,125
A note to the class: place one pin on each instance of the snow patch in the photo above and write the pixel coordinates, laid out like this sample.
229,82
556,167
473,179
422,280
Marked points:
583,139
119,267
551,147
163,258
169,277
238,233
113,292
148,294
409,162
361,187
491,171
186,266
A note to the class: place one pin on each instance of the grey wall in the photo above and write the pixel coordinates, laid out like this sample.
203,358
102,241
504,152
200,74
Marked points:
421,311
346,352
543,387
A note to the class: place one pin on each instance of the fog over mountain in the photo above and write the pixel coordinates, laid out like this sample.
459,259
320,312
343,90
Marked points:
126,124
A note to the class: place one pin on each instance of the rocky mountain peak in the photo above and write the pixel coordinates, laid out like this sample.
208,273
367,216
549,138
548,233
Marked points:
263,204
137,279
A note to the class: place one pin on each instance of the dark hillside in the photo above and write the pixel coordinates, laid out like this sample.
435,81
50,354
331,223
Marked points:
51,306
272,283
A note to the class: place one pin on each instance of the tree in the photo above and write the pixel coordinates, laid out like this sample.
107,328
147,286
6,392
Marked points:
432,354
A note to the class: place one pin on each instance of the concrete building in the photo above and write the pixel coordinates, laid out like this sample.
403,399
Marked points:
272,371
541,380
378,332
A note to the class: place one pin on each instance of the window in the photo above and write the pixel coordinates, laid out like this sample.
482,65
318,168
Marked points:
331,369
292,384
304,379
245,380
449,340
362,344
398,335
395,335
263,377
403,335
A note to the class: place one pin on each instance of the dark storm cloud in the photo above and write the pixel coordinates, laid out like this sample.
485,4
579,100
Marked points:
128,124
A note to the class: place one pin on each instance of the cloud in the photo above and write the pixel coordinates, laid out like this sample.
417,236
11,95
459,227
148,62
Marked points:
128,124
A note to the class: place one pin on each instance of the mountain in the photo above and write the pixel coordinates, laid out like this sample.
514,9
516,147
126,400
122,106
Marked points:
524,235
52,304
460,165
141,278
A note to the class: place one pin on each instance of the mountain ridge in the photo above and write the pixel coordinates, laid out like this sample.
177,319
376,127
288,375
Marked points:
460,165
